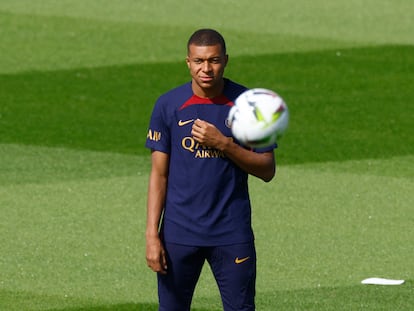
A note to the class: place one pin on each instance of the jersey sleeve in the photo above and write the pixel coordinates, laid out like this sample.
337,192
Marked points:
265,149
158,135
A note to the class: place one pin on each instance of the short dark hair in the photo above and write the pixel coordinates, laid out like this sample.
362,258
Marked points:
207,37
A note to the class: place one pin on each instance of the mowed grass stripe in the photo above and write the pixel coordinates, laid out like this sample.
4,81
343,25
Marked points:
346,104
44,43
23,164
378,21
31,42
400,167
26,164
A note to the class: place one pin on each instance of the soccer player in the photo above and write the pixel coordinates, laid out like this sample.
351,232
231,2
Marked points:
198,205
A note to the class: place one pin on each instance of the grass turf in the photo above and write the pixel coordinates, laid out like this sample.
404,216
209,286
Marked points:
75,101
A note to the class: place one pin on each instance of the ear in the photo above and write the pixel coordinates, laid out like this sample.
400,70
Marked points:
226,60
187,60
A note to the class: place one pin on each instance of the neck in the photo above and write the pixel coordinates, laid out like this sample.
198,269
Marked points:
209,92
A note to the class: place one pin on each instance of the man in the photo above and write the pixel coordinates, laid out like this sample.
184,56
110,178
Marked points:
198,205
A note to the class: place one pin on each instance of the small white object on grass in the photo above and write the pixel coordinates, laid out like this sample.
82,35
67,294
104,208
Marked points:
382,281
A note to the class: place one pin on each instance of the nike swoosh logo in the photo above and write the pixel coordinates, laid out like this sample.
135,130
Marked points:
241,260
182,123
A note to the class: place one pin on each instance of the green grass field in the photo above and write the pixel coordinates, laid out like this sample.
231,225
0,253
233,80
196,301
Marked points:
78,80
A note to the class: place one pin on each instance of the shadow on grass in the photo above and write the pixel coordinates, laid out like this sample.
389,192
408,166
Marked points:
355,105
119,307
358,297
27,301
122,307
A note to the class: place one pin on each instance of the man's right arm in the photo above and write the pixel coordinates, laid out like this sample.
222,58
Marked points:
157,189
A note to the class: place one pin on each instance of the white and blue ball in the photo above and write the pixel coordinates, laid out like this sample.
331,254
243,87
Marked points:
258,118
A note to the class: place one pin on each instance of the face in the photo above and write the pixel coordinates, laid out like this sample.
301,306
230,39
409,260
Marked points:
206,64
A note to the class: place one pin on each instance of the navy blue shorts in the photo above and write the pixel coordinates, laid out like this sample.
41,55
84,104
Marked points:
233,266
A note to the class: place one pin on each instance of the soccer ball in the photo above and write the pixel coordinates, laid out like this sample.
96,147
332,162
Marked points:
258,118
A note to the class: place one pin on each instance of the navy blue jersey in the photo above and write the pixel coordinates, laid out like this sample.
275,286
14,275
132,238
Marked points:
207,201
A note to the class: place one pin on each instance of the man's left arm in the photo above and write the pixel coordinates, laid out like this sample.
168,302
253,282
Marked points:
261,165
